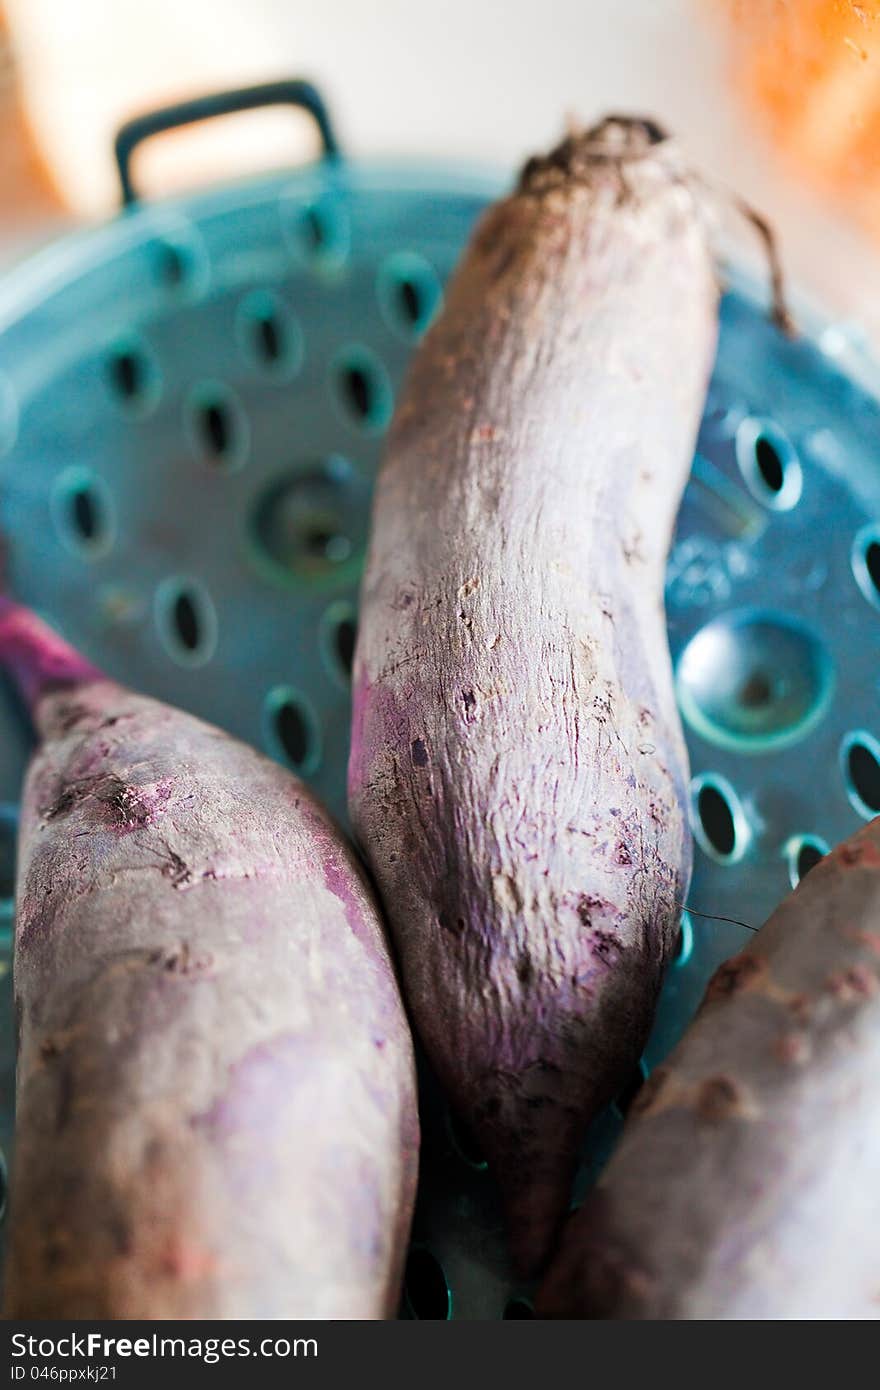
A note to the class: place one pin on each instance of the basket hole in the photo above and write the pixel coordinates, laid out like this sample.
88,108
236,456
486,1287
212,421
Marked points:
269,338
338,639
359,391
685,941
425,1290
321,233
718,819
803,853
132,377
127,375
81,506
866,563
517,1308
410,299
173,265
268,333
769,464
311,524
464,1143
363,390
872,564
316,230
861,767
85,514
219,427
185,617
293,733
409,293
346,637
627,1095
187,621
292,730
808,857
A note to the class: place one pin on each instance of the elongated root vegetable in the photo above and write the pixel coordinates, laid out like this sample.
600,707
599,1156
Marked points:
517,767
216,1099
745,1183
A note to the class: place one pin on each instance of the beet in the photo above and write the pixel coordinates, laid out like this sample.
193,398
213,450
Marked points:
216,1108
517,775
745,1183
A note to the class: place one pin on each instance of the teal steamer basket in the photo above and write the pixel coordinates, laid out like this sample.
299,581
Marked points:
193,400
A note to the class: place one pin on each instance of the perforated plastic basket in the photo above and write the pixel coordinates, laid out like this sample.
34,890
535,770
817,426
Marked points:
192,405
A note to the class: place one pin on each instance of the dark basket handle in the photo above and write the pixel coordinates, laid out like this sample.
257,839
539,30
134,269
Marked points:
290,92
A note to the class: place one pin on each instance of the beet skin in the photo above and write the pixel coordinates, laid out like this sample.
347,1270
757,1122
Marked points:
745,1184
216,1110
517,775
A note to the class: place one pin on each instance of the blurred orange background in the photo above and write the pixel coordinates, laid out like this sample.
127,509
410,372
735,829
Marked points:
778,99
810,70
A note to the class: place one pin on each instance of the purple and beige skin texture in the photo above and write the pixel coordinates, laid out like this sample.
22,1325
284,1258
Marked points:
216,1103
517,774
745,1184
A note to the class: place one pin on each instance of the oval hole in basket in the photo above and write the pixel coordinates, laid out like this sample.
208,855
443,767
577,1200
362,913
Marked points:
338,639
516,1308
769,464
426,1293
132,376
173,265
320,231
315,230
860,757
803,853
187,621
685,941
346,639
872,563
81,507
718,820
85,514
808,857
185,618
269,338
409,293
363,390
866,563
218,426
292,730
127,374
269,334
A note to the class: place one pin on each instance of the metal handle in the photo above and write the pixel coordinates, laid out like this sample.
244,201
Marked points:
291,92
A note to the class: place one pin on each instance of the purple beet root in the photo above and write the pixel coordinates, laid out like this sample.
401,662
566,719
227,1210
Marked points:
517,770
216,1108
745,1183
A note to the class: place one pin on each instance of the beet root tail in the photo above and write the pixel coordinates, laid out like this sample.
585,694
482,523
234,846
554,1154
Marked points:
533,1157
36,658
